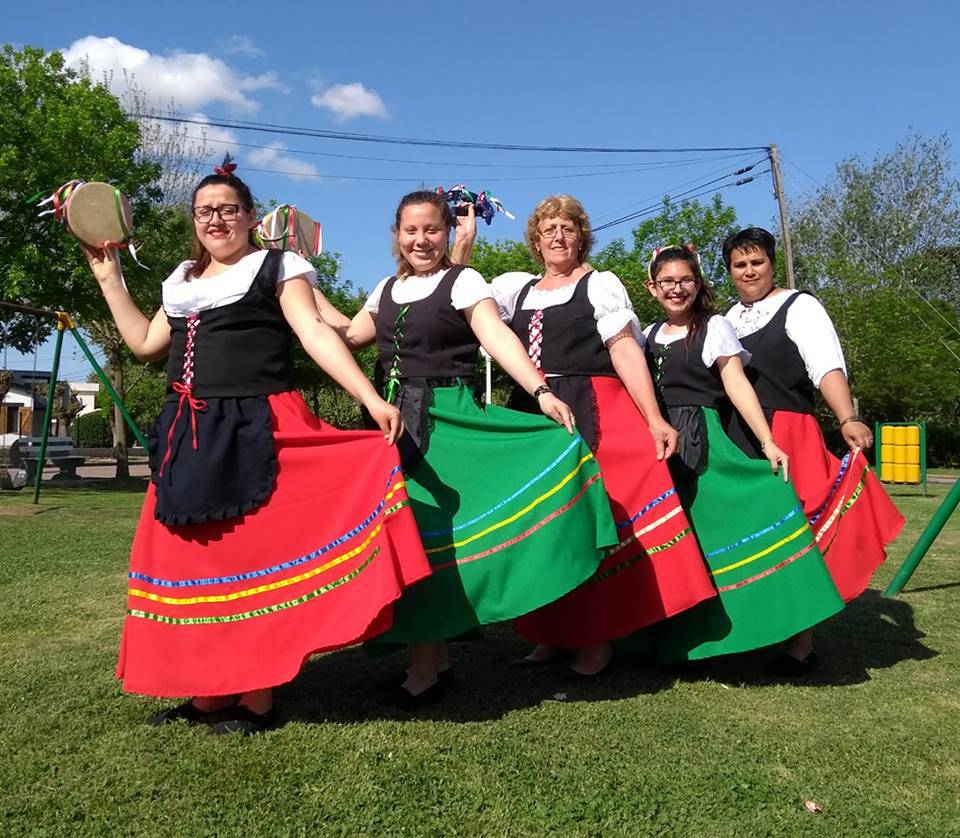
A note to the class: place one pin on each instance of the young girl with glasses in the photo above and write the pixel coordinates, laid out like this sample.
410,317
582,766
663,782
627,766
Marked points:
762,556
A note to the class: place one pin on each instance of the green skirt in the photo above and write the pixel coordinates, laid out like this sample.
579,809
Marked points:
512,512
760,550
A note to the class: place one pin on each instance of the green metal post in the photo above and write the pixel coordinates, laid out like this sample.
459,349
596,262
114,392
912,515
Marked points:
109,388
927,537
923,456
877,445
54,370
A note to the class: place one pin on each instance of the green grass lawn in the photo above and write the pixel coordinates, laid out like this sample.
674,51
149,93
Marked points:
874,738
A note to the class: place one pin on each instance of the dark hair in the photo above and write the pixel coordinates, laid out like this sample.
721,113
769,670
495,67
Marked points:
199,254
421,196
752,238
705,303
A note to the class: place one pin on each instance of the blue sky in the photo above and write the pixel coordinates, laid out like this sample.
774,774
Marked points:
822,80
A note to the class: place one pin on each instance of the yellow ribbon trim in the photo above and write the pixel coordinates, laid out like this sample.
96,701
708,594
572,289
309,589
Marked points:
273,586
763,553
520,514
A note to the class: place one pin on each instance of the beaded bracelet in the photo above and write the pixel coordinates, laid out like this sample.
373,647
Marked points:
543,388
853,418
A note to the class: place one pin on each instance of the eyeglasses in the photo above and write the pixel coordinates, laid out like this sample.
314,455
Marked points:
227,212
568,231
671,284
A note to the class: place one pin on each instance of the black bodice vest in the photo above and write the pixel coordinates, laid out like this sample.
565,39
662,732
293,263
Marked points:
572,352
212,454
431,345
571,343
684,386
776,370
243,349
678,371
428,338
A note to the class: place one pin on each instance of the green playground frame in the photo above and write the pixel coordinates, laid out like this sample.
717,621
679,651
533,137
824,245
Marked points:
64,321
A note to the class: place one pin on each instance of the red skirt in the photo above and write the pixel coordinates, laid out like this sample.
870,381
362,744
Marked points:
657,569
850,513
230,606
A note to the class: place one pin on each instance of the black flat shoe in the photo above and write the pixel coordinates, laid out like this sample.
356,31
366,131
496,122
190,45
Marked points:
787,666
397,679
402,699
244,721
188,712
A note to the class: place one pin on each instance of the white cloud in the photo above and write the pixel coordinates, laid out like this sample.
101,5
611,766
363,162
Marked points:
190,80
273,157
242,45
347,101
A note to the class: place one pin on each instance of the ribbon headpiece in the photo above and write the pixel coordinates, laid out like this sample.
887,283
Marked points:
689,248
227,167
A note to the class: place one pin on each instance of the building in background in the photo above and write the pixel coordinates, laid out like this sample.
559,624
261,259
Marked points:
23,407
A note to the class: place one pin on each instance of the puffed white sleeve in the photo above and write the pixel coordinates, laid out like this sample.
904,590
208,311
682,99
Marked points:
468,289
811,329
612,306
506,289
372,303
294,265
722,342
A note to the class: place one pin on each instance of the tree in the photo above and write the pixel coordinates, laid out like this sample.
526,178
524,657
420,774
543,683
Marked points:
325,397
879,243
57,125
494,258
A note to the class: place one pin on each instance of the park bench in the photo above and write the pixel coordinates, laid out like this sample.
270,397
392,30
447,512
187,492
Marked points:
60,452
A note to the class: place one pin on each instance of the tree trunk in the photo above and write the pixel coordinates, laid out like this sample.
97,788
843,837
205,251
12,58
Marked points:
117,425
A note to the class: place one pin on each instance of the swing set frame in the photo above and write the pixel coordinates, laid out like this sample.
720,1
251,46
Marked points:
65,322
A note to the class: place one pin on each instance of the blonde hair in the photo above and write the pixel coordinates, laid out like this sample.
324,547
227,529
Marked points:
404,268
559,205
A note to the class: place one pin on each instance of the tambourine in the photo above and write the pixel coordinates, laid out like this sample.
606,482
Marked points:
98,214
287,228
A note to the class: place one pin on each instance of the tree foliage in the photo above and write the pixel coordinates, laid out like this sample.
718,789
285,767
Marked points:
56,126
880,245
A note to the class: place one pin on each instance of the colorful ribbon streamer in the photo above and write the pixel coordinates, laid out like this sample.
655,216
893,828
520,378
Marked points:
485,204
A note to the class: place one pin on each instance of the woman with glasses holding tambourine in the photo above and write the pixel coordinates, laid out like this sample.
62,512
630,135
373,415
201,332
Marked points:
265,535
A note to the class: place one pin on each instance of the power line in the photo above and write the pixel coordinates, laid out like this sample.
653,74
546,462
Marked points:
292,130
653,164
416,179
659,194
633,216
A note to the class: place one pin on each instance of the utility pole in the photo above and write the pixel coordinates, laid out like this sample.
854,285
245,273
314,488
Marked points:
782,201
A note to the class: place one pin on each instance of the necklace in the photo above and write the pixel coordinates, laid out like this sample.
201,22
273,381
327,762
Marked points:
752,303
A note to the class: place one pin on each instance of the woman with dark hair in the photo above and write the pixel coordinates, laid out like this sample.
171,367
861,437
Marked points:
579,326
265,535
511,508
796,352
770,576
